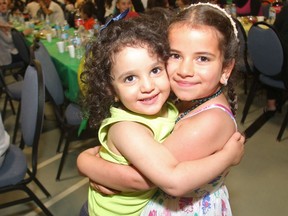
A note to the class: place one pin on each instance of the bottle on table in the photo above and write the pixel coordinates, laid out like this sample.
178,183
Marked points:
58,30
47,23
77,42
65,34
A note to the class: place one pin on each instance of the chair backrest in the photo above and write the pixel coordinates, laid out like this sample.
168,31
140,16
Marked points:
20,44
32,108
266,49
52,79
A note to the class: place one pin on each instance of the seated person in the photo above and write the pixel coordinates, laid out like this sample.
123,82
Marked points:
274,96
88,14
32,8
52,10
4,142
9,54
122,5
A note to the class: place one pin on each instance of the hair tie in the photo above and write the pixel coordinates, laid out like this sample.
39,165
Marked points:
117,18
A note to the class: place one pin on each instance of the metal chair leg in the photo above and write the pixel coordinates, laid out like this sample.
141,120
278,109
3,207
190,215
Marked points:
64,154
249,99
283,126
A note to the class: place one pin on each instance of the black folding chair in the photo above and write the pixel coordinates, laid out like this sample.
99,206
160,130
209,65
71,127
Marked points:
270,63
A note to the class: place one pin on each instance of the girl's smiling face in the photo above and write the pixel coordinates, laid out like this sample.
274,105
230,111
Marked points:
140,80
123,5
195,66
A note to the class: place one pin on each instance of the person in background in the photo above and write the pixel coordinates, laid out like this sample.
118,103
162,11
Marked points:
4,142
107,9
281,25
248,7
4,10
122,5
274,95
17,12
52,10
32,8
88,14
8,54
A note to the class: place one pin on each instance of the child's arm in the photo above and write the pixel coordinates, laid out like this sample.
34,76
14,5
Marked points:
136,143
205,169
127,178
116,176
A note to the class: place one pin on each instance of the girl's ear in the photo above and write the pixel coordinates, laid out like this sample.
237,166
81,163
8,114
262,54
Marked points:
227,72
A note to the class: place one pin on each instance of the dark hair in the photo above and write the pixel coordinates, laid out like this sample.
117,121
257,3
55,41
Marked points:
88,8
138,32
157,3
205,14
187,2
162,15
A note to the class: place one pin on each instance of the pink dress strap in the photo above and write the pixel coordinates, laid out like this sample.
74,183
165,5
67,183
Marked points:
213,106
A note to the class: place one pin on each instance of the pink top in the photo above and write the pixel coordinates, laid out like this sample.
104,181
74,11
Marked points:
213,106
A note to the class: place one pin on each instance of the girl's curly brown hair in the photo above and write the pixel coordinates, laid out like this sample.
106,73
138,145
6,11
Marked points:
137,32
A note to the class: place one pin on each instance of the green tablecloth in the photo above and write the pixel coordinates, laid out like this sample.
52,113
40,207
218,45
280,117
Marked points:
67,68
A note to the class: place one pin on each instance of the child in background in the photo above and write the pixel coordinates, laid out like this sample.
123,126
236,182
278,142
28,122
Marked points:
197,74
122,5
141,88
88,14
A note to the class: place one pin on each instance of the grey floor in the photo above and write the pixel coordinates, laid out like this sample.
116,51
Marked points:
258,186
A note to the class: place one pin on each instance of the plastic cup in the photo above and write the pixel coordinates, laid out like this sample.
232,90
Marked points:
60,45
71,50
260,18
49,37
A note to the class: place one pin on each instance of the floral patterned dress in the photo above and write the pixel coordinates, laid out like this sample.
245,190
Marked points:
210,200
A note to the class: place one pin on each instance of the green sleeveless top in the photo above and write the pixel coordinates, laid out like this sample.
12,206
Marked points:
130,203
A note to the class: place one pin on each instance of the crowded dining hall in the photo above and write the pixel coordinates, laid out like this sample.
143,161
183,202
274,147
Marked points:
84,82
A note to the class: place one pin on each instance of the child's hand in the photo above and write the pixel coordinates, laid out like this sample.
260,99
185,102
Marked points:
235,148
93,151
